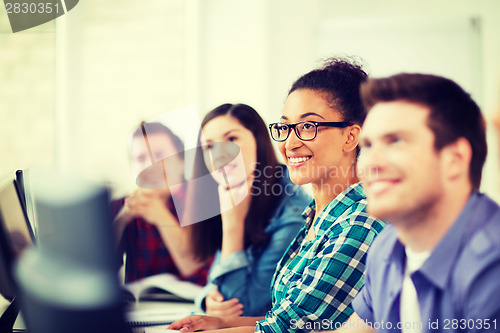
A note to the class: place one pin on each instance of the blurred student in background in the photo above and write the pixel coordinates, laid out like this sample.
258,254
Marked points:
260,211
146,222
322,269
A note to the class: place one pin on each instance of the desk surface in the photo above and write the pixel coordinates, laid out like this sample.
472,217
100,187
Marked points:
150,311
145,305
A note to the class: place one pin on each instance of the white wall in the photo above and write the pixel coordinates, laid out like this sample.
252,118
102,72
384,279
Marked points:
118,63
233,53
72,91
488,12
284,45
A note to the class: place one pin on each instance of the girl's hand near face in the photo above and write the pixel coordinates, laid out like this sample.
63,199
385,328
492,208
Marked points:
235,202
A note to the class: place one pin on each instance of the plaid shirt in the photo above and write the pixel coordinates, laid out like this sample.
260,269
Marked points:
146,252
316,280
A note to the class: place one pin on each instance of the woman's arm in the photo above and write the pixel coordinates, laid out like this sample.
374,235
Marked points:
203,323
249,279
241,329
246,275
235,203
178,241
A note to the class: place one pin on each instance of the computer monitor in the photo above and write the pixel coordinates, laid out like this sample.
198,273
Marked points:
15,236
20,187
68,282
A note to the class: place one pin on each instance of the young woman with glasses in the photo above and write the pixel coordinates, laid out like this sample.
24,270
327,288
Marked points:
322,270
259,211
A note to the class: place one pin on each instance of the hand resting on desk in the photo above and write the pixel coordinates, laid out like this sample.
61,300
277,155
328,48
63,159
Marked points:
204,323
198,323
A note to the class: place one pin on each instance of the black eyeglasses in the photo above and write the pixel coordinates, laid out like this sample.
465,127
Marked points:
305,130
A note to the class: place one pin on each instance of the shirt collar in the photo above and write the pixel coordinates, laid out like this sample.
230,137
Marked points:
439,266
441,262
333,210
308,214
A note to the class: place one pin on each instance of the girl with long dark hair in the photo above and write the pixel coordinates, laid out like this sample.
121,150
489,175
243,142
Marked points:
250,234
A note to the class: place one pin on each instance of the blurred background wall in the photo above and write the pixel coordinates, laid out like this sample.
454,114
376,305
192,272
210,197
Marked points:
72,90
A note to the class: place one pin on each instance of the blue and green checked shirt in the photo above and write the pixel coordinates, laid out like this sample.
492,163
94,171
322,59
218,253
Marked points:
316,280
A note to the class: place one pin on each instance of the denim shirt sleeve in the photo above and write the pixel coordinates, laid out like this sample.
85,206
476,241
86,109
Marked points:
246,275
199,301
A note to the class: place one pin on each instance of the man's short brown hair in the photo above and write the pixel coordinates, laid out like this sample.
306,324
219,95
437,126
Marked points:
453,113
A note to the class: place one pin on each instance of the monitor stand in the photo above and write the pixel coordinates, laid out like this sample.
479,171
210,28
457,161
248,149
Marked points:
9,316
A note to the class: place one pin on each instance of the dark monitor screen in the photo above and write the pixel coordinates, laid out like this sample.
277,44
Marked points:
15,234
20,187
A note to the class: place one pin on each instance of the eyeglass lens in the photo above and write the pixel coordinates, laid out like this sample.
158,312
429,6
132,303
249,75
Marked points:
304,130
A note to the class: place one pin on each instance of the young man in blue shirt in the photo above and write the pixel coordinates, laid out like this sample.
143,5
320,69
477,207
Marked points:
437,266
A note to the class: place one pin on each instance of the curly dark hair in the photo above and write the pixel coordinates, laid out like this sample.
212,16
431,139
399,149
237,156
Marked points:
340,79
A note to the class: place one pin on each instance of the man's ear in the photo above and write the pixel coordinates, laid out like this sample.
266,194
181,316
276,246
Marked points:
351,138
457,157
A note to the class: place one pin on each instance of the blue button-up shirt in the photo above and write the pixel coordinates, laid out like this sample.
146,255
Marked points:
458,286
